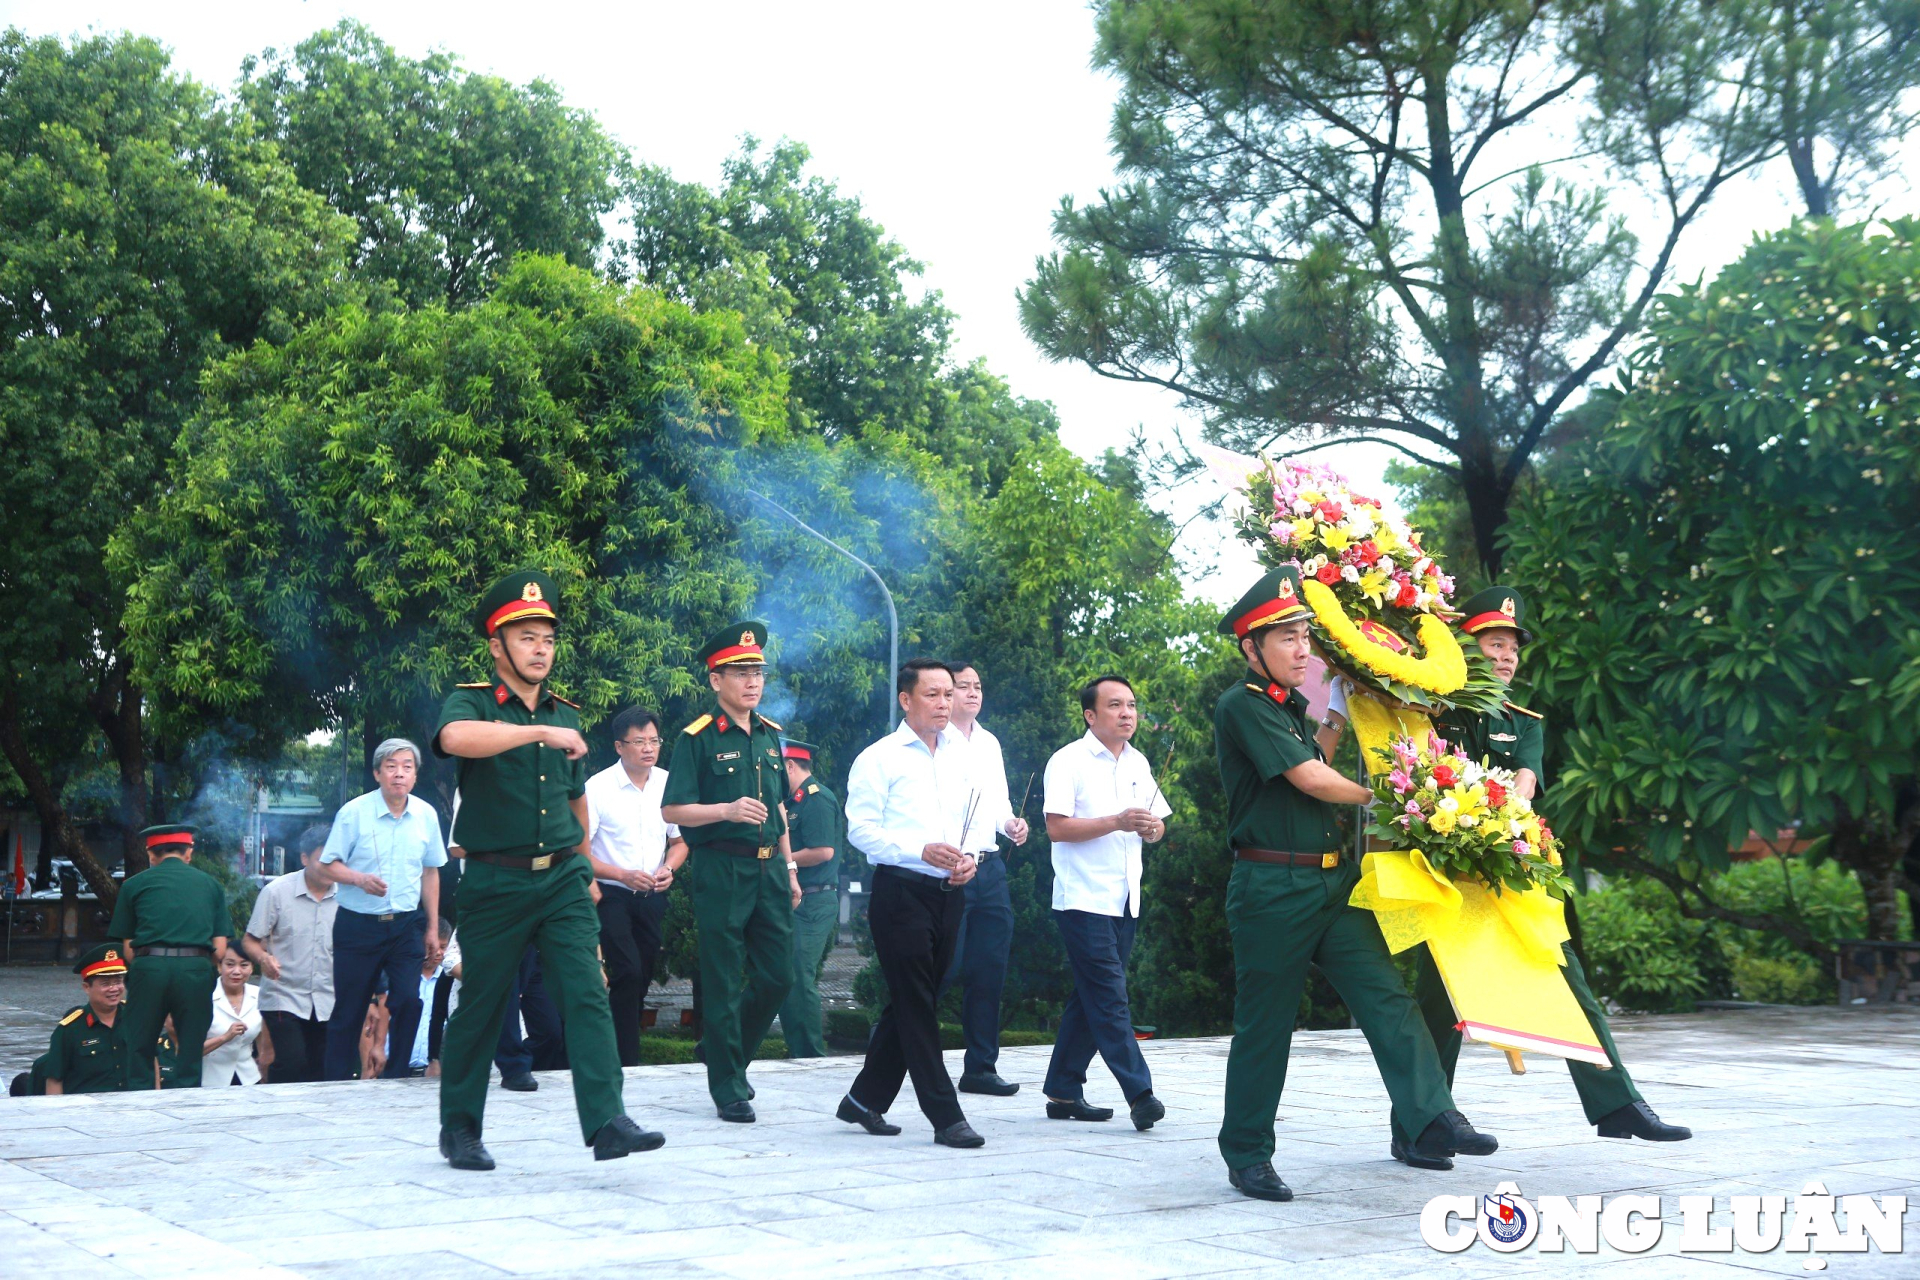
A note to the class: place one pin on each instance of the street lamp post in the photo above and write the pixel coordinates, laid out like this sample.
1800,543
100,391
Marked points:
893,617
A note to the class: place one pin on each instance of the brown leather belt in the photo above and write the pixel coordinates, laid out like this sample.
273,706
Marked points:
742,848
1275,858
518,862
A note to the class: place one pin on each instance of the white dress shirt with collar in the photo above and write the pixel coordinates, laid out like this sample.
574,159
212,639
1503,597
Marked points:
990,779
902,797
1085,780
624,826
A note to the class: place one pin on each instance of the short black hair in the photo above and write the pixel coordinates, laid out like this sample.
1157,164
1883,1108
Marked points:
1091,693
314,837
909,677
958,665
633,718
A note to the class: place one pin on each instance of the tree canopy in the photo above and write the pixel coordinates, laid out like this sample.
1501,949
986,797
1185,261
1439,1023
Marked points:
1726,576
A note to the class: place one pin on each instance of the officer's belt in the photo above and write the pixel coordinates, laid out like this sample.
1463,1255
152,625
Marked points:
519,862
175,952
1276,858
817,888
740,848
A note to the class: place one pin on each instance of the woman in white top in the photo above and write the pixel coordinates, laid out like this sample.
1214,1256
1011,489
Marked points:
238,1031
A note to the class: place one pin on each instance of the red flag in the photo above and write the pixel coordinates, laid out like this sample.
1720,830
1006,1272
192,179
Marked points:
19,865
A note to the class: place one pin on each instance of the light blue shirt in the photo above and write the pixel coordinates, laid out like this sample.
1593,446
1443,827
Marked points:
368,838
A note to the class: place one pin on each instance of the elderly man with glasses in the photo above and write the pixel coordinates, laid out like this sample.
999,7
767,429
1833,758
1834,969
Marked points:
635,853
385,852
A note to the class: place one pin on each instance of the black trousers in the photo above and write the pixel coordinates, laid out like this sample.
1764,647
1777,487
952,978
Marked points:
915,921
299,1047
363,947
632,931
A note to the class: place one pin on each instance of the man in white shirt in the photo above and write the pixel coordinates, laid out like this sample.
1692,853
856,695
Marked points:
986,929
1101,802
635,853
290,936
909,797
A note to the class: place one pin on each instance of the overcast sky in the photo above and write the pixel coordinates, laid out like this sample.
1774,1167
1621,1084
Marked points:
959,126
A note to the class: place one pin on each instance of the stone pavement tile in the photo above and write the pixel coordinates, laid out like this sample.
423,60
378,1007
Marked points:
1147,1262
545,1205
411,1266
1317,1241
26,1250
749,1210
537,1257
269,1222
1007,1221
857,1256
470,1238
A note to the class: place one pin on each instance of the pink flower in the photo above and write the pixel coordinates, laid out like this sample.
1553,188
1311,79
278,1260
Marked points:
1520,848
1403,752
1282,531
1413,810
1400,781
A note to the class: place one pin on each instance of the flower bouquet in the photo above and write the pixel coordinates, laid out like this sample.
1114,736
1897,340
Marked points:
1465,819
1379,600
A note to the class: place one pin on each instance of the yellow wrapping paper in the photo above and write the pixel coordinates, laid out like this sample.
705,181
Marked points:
1498,953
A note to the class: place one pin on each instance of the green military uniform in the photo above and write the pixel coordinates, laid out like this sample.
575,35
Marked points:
815,821
86,1054
1515,738
1291,910
741,896
173,917
523,886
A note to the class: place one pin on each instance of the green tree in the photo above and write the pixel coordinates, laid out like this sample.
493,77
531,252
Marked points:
144,230
1321,233
449,174
1728,582
340,502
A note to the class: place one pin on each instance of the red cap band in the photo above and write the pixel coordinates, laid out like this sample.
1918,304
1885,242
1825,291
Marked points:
170,837
736,653
514,610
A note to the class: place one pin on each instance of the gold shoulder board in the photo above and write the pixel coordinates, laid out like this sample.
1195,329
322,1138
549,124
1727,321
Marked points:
770,724
813,788
1514,706
698,725
1256,688
569,701
478,684
75,1014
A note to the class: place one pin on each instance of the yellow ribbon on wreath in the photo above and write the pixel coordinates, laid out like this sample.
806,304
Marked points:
1415,902
1441,669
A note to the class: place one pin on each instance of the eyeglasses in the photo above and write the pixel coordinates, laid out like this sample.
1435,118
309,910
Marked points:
638,742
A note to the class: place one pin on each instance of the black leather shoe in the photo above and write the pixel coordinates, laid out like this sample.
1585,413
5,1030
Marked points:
520,1082
1408,1156
872,1121
460,1144
988,1082
1452,1134
737,1112
1077,1110
1147,1109
1637,1120
1260,1182
620,1136
958,1134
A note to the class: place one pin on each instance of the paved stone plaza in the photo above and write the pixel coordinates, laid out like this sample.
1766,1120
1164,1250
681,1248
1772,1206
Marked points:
322,1180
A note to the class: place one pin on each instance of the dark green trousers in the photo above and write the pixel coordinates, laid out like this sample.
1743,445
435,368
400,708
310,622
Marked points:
745,912
1602,1091
816,925
156,987
1282,919
503,911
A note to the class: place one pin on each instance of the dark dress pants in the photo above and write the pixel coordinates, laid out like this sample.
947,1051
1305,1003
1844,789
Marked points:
364,947
632,930
511,1054
1097,1016
299,1047
980,964
915,921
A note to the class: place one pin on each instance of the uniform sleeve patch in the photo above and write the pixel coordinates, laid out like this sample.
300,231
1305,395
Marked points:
698,725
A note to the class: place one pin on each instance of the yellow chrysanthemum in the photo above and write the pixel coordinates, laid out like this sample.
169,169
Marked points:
1442,670
1441,822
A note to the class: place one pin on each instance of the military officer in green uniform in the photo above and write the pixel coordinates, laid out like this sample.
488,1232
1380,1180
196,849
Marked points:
724,791
523,824
173,921
1287,904
88,1054
816,822
1515,738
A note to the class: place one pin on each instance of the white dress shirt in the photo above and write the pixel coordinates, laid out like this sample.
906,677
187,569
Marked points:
1084,780
235,1057
624,826
989,770
901,797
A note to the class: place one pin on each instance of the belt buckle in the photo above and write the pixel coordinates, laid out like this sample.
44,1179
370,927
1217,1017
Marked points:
764,852
1328,861
541,863
388,916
